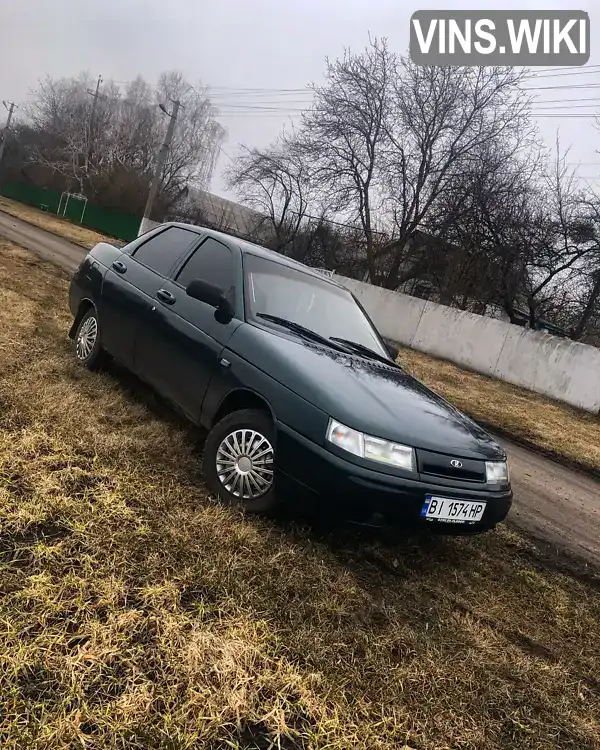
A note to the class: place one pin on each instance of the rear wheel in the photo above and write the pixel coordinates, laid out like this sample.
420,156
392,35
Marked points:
239,458
88,347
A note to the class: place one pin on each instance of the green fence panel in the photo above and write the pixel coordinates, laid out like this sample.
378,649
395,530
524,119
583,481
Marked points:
113,223
105,220
39,197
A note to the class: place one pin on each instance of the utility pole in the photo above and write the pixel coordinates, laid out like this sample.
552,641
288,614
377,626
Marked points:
160,163
10,106
95,94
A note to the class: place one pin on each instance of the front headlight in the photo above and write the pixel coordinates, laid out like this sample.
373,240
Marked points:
373,448
496,472
345,437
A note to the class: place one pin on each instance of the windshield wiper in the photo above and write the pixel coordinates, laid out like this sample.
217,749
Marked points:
364,350
302,331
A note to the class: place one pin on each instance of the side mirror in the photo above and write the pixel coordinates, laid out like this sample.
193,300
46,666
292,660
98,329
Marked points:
212,295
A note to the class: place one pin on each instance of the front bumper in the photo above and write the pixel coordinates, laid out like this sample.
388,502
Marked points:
364,495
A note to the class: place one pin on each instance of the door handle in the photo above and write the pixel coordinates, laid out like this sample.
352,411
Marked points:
165,296
119,267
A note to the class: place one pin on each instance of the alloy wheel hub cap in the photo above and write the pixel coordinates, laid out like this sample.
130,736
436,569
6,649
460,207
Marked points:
245,464
87,338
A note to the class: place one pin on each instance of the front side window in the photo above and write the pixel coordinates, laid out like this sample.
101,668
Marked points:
211,262
160,252
275,289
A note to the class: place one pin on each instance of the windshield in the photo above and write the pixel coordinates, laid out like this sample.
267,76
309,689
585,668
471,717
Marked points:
276,289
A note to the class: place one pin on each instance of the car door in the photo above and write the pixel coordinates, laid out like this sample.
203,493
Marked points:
130,285
182,341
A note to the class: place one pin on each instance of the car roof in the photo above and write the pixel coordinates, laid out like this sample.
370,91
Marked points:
252,249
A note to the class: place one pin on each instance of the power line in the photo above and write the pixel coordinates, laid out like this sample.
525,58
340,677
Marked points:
257,115
299,92
230,105
289,102
572,86
222,150
264,108
260,103
578,72
250,109
283,112
570,106
588,69
552,69
242,88
543,112
561,101
275,108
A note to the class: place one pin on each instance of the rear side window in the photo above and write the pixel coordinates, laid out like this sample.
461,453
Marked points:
211,262
160,252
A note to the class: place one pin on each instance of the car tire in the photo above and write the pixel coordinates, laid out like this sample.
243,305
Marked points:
88,346
238,460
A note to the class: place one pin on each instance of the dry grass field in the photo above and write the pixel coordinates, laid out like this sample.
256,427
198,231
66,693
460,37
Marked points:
137,613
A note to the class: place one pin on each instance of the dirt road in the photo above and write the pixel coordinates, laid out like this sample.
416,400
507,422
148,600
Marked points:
47,245
555,503
552,503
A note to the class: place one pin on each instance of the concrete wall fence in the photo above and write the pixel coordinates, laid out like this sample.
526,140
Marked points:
559,368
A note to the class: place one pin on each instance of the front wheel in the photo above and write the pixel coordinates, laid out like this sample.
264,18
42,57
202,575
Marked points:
88,348
239,458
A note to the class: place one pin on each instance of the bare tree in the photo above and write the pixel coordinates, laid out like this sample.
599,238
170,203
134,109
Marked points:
524,237
387,138
442,119
562,239
277,183
110,157
485,216
344,137
584,318
60,112
587,322
441,173
196,142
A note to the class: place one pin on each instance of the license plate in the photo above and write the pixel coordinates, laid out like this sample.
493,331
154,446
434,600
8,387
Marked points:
452,511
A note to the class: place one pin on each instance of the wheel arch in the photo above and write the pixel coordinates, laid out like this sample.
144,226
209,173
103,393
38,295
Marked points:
241,398
85,305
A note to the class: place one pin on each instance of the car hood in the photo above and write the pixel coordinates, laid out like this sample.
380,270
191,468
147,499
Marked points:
369,396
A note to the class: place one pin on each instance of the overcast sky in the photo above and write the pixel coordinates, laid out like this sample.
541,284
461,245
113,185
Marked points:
239,44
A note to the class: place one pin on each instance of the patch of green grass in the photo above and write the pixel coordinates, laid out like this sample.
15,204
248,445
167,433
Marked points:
136,612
